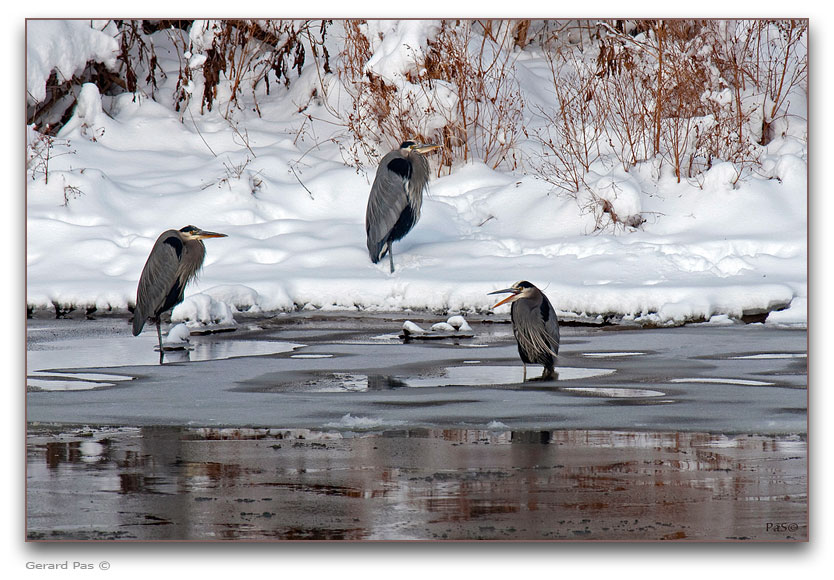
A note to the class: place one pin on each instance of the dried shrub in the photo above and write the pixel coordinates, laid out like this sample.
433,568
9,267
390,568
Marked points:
625,91
782,67
137,56
380,117
41,149
246,53
570,139
465,96
684,92
683,79
678,93
488,118
652,83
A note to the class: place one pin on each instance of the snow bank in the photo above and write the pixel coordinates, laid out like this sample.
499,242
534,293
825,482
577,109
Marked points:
294,213
201,312
63,46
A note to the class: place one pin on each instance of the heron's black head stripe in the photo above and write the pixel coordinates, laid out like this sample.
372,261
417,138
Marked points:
175,243
401,167
406,144
524,284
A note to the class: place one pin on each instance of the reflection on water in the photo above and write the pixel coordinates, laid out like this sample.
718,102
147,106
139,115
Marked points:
725,381
472,374
496,375
59,381
611,354
237,484
129,351
770,356
203,350
625,392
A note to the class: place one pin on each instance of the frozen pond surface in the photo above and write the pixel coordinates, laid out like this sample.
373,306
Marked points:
305,427
309,371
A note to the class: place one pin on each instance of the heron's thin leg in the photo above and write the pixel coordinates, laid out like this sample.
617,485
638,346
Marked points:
524,380
391,255
159,336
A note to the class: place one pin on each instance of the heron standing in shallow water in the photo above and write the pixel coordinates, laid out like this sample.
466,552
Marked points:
535,326
174,261
396,198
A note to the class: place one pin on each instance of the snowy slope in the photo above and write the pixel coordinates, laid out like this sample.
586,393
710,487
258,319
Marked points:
294,213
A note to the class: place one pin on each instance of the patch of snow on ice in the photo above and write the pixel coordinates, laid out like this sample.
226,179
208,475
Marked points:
361,423
459,323
201,310
412,328
795,315
177,335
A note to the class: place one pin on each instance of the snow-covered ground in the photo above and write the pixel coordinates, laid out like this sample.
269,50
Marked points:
294,214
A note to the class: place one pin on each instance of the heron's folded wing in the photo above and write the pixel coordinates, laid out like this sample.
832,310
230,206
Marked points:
159,276
385,204
534,333
551,326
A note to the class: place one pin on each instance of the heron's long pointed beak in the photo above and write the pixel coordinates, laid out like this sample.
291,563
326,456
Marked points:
514,293
426,147
202,234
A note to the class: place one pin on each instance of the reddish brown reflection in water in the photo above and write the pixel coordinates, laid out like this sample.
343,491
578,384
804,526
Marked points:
244,484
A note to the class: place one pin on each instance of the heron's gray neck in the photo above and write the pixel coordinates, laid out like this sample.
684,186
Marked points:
419,179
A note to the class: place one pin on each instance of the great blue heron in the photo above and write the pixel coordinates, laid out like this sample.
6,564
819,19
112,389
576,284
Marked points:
396,197
174,260
535,326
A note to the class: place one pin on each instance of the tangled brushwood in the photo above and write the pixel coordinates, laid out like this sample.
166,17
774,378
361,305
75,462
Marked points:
679,95
687,93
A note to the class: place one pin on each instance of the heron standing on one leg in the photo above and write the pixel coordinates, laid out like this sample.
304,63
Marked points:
174,261
396,198
535,326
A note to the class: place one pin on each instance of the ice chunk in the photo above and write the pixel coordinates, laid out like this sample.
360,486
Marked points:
411,328
178,334
459,323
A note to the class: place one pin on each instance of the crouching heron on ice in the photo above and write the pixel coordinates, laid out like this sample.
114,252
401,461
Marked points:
174,261
535,326
396,198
